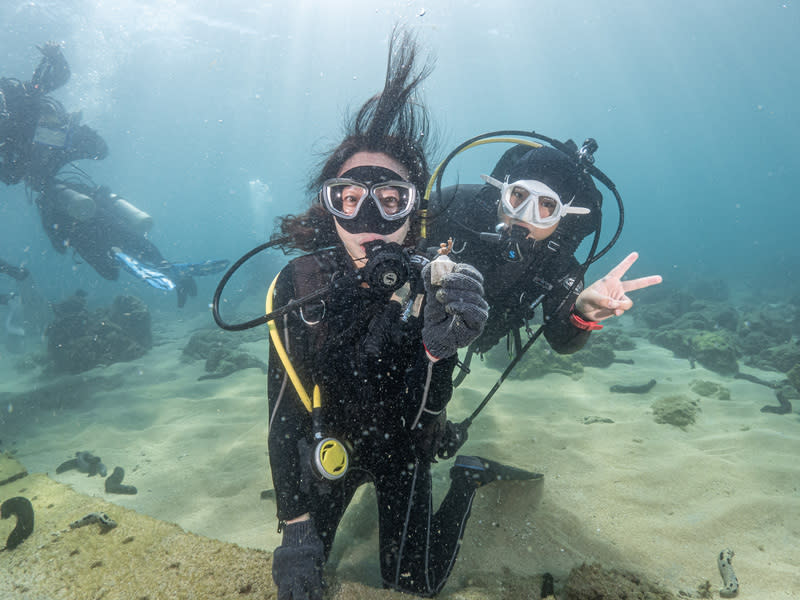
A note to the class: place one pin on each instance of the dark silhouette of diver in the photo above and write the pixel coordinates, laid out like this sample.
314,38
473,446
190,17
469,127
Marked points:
39,141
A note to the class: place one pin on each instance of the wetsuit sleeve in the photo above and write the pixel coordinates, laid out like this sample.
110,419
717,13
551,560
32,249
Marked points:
559,331
53,70
290,424
431,387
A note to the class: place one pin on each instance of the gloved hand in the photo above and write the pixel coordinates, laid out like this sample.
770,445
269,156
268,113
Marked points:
51,49
297,563
427,438
455,311
454,436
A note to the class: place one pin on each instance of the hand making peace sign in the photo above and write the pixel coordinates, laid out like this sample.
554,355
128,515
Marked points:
607,297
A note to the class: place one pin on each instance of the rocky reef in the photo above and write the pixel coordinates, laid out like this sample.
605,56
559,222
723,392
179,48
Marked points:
220,350
79,339
540,359
700,323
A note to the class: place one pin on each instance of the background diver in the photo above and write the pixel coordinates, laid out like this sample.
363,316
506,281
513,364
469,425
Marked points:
39,141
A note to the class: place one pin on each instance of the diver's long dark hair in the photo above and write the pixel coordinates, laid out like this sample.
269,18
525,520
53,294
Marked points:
391,122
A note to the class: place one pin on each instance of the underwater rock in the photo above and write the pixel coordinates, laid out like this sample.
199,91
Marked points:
770,323
716,352
85,462
677,410
661,304
203,342
617,339
598,352
133,317
78,340
709,389
537,362
678,341
223,362
777,358
695,321
23,509
752,342
726,317
114,483
593,582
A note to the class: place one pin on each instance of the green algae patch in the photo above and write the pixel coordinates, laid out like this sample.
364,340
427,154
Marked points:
716,351
679,411
709,389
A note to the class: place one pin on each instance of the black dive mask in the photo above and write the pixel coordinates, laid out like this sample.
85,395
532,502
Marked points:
369,218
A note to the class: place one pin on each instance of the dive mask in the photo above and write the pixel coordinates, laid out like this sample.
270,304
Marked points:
533,202
369,199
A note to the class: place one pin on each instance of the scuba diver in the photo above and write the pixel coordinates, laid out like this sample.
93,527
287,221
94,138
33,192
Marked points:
363,343
37,135
521,229
38,139
110,234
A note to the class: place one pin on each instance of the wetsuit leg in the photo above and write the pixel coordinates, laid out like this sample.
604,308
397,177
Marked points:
330,502
419,548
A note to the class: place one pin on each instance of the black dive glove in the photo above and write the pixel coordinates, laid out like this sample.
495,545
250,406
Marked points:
455,310
297,563
453,437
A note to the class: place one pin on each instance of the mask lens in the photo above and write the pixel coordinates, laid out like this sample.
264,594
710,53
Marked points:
395,199
547,206
519,195
344,197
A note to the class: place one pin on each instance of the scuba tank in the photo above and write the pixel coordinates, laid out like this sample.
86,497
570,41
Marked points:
77,205
135,218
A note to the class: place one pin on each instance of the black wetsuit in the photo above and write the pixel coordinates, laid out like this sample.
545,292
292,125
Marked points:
94,237
37,135
547,268
38,138
381,395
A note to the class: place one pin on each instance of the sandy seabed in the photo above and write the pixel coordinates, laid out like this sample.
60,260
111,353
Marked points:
631,493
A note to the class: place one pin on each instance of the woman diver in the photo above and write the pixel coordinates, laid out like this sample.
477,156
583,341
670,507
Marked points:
359,379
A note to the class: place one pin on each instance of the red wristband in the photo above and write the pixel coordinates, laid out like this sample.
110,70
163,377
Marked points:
582,323
433,356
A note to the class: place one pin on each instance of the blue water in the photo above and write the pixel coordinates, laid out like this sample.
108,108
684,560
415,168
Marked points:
692,103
